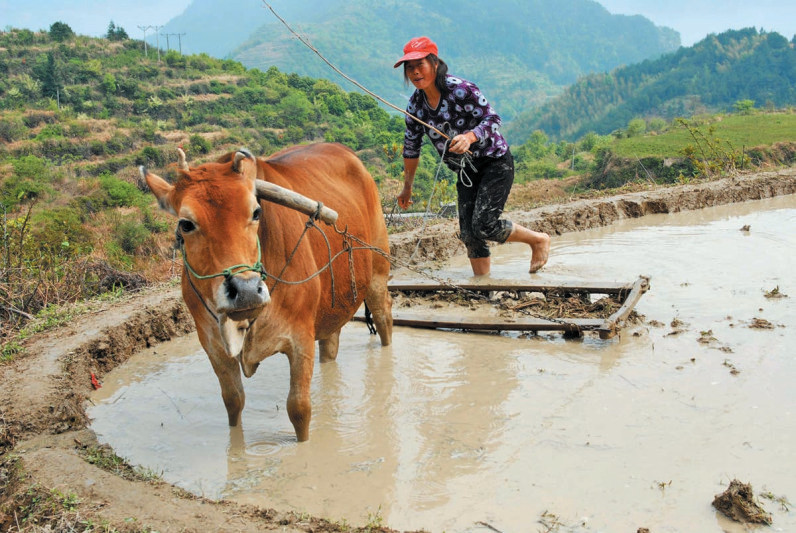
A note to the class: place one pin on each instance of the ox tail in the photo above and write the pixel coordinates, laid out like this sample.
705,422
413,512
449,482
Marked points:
369,320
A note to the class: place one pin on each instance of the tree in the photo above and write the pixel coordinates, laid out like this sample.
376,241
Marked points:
636,127
109,84
51,78
744,107
116,33
60,31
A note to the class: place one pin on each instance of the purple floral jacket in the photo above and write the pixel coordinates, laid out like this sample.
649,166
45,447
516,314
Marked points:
463,108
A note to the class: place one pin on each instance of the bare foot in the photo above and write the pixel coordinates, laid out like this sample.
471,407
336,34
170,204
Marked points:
539,252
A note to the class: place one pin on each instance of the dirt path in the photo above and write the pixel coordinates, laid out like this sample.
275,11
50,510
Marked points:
48,456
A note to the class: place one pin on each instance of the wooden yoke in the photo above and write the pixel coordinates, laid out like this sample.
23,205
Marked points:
279,195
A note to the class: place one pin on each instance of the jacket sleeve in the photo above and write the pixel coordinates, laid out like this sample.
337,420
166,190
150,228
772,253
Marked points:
413,136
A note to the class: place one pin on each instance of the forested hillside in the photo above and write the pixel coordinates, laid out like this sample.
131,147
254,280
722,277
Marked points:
520,52
77,117
711,76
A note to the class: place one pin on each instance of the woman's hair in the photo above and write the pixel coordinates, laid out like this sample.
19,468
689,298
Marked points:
442,71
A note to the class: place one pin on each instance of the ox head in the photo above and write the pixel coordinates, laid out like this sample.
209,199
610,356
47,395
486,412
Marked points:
218,219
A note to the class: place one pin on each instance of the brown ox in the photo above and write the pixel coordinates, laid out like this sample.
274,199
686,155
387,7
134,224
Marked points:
242,319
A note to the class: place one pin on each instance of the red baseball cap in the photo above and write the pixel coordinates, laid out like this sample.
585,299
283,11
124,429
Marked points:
417,48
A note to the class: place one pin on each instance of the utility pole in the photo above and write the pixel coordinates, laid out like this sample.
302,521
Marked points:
179,39
573,156
144,29
157,39
166,35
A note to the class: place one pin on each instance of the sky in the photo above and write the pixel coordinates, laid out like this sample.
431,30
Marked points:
694,19
90,17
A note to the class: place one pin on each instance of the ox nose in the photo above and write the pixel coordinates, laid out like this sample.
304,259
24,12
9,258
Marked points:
247,292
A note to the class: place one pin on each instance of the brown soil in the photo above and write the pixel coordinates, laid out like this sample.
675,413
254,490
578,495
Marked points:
46,478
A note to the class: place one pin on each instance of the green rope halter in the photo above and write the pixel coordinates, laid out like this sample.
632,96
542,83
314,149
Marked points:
231,271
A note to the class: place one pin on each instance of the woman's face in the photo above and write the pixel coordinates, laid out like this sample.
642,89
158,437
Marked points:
421,72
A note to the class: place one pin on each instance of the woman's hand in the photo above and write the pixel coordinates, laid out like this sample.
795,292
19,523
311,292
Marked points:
461,143
405,197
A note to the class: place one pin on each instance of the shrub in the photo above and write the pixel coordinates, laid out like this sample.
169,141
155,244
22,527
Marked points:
131,235
636,127
51,131
120,193
109,84
199,145
12,129
30,179
56,235
151,156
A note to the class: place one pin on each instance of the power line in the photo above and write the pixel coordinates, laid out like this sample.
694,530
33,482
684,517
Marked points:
179,39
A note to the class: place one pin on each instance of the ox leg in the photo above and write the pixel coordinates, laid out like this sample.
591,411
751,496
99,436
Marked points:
299,405
328,347
227,371
380,304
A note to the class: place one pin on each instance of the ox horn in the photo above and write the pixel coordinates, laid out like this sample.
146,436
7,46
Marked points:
182,163
240,155
279,195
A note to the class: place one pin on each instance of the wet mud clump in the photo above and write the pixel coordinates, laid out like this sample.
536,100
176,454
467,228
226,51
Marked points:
738,503
511,304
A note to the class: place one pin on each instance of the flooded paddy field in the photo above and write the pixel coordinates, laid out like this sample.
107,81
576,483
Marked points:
470,432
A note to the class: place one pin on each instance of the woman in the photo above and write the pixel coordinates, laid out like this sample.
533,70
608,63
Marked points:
475,149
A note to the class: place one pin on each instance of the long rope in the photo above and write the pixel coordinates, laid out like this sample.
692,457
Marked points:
365,245
341,73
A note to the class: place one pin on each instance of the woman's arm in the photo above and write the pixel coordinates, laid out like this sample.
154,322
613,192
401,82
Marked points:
405,196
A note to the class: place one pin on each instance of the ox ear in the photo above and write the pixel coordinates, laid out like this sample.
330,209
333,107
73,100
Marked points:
245,163
161,189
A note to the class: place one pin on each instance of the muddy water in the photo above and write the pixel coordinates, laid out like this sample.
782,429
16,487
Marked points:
464,432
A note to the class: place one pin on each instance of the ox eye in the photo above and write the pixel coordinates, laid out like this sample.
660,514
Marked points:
257,213
186,226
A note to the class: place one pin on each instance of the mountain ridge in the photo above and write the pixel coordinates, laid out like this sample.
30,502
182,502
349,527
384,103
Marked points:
710,76
519,52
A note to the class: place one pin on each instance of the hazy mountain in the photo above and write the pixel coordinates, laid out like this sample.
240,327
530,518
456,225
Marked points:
710,76
520,52
216,27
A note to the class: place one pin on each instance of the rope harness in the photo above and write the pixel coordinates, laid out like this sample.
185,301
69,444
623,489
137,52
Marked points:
348,248
227,272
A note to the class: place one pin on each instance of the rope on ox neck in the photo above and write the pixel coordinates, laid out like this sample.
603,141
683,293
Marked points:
227,272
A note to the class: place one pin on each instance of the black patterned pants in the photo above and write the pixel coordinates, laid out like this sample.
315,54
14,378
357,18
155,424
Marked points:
481,204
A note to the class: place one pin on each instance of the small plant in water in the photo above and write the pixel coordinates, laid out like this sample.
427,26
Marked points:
781,500
775,293
550,521
375,520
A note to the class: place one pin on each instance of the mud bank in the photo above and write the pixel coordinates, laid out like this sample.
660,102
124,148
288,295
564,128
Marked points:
43,424
439,242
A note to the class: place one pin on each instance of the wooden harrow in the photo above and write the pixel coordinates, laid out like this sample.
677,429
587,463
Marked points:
626,293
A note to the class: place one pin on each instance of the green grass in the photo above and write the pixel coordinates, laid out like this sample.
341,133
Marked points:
104,458
739,130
